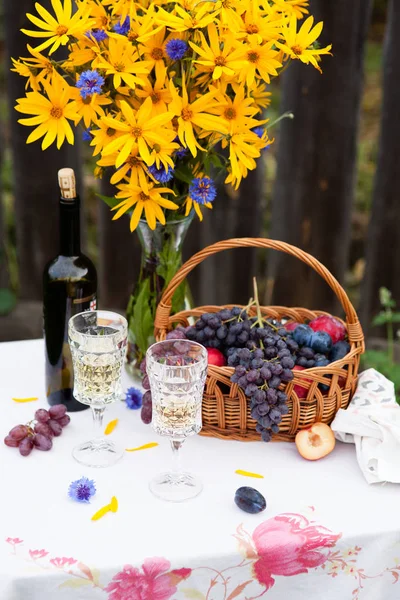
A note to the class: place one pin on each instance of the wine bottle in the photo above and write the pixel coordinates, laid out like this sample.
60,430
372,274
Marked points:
69,287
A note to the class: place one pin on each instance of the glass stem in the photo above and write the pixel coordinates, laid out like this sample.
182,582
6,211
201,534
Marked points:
98,421
176,445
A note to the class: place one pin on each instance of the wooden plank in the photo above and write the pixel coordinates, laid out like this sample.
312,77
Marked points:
119,254
383,242
313,194
227,277
35,172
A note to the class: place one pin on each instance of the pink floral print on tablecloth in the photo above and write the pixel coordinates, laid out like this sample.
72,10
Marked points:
152,583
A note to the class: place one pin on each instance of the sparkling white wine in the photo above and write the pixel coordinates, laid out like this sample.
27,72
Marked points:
175,414
98,366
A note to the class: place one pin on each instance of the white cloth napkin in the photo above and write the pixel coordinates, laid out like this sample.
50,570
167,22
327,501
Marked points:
372,423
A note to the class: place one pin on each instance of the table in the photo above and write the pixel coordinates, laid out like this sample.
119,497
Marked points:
325,533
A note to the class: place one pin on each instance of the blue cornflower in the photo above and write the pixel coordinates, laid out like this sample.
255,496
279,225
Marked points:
202,190
133,398
82,489
89,83
176,49
181,152
259,131
87,136
98,34
161,174
124,27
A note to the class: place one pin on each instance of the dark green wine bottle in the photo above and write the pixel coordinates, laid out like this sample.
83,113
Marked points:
69,287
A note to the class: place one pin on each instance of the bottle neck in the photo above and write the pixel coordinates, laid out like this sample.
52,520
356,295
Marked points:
70,231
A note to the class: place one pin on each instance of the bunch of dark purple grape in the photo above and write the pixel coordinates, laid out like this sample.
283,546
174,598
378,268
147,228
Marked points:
39,432
147,405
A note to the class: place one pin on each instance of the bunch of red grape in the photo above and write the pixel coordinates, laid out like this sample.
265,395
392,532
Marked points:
39,432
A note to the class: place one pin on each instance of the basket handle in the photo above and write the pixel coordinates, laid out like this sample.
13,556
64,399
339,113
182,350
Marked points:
164,308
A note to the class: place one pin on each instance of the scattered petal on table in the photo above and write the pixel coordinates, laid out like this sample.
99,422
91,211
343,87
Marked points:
145,447
100,513
110,427
22,400
114,504
249,474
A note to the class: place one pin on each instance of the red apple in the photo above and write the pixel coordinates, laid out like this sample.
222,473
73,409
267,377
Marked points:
315,442
215,357
291,325
330,325
300,391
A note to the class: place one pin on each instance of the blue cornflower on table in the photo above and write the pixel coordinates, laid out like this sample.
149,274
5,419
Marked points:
82,490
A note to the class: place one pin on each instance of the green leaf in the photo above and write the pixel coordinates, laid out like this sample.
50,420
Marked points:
7,301
111,201
395,317
381,319
142,322
184,174
385,297
170,263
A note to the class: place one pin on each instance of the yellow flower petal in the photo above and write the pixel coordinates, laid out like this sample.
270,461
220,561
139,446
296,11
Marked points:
100,513
249,474
145,447
21,400
110,427
113,504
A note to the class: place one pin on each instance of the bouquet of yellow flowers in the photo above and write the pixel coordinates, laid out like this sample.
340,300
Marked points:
169,94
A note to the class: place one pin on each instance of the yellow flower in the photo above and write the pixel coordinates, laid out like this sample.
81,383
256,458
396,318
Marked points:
50,114
82,53
297,43
296,7
260,95
147,199
159,94
225,61
102,136
264,26
59,30
229,12
191,114
123,63
185,20
190,204
99,13
134,167
36,68
261,61
122,8
237,112
137,129
244,148
153,50
161,154
89,109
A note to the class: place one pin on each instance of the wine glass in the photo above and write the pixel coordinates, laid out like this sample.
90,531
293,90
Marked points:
98,341
177,372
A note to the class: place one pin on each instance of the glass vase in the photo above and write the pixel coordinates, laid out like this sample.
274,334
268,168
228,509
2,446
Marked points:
161,259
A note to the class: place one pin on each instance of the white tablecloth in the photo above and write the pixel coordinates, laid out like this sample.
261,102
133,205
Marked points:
325,533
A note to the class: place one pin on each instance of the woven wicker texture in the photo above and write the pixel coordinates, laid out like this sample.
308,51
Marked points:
226,413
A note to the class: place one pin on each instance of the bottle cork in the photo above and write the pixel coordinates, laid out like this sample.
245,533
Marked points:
66,181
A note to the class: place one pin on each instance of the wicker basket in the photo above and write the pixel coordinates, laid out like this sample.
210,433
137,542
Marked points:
226,412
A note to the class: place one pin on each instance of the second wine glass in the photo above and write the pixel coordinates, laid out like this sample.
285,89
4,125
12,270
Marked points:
177,372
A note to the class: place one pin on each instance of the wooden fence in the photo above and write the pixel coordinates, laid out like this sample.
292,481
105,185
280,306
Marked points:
312,198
